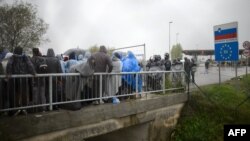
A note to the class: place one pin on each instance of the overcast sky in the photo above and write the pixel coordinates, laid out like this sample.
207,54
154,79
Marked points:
119,23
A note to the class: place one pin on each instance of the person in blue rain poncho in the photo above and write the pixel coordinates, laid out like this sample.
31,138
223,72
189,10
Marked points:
130,64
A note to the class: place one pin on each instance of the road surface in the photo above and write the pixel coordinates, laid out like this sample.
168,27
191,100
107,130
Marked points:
212,76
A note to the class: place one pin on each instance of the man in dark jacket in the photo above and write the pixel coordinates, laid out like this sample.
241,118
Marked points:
54,66
38,90
53,63
206,66
187,69
193,66
102,60
19,64
103,63
167,62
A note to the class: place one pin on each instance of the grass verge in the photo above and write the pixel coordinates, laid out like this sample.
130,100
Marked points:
205,115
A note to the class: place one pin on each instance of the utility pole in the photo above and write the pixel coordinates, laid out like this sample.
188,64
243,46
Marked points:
169,40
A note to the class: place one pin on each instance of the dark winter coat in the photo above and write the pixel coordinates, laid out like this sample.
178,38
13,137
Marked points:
54,65
38,89
19,93
187,66
167,64
40,64
20,64
103,62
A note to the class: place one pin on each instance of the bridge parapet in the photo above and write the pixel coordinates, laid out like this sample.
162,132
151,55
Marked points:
161,110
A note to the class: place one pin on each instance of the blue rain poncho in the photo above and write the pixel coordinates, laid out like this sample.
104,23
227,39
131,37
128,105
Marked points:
130,64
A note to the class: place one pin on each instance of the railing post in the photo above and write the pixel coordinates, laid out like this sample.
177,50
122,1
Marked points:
136,83
164,82
50,94
100,88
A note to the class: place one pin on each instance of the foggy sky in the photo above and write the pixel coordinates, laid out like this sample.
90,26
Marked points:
119,23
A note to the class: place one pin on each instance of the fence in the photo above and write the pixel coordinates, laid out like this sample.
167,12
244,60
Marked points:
47,91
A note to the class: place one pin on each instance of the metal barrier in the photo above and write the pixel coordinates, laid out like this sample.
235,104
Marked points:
47,91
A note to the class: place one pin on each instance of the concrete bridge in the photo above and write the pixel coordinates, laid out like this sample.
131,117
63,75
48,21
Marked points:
149,118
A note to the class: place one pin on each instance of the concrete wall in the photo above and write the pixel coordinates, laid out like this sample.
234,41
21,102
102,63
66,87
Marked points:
157,129
160,113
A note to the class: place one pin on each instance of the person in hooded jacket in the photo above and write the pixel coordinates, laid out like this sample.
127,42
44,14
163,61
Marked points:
79,87
60,58
19,64
103,64
154,80
167,62
114,81
80,59
130,64
193,69
83,58
187,69
3,90
38,90
54,66
71,62
177,66
53,63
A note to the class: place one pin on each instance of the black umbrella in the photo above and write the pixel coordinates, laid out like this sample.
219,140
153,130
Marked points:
77,51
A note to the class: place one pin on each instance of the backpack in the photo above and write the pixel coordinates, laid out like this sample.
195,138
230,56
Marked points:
43,68
40,64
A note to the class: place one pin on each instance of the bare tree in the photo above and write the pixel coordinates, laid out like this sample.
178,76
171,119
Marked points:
95,48
20,26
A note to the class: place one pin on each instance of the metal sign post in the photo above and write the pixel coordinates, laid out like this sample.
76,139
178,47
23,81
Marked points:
246,52
226,44
246,66
219,73
236,73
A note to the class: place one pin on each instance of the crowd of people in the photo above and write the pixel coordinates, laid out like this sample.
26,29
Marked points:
18,92
21,91
157,64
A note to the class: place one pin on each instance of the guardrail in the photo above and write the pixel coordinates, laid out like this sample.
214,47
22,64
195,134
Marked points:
47,91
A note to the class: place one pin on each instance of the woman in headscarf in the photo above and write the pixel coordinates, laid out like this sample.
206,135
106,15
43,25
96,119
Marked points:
114,81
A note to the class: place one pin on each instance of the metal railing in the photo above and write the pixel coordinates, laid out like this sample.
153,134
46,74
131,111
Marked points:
47,91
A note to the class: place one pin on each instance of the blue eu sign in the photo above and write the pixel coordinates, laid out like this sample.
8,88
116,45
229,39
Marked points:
226,42
226,51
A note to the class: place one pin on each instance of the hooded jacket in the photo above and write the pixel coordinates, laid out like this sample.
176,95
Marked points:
53,63
19,64
103,62
130,64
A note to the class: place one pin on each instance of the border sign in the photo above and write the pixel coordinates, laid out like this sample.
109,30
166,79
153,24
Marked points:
226,42
246,53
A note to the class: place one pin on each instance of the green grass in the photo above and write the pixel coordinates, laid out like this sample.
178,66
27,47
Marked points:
204,116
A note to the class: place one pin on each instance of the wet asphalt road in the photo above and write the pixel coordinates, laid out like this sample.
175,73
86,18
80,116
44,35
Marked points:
212,77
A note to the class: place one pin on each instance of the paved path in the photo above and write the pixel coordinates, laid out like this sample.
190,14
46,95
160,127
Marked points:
213,74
